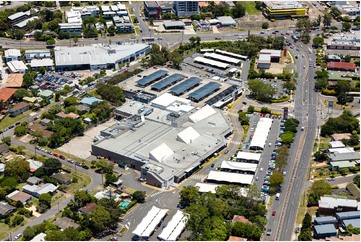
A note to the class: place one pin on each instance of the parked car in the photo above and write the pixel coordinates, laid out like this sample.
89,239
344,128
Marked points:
62,157
85,166
212,165
78,164
56,155
273,213
18,236
269,231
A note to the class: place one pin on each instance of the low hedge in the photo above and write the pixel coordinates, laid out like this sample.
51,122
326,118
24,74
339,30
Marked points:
328,92
280,100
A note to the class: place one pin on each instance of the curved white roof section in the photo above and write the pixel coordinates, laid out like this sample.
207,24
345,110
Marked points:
188,135
239,166
230,177
150,222
260,135
167,99
160,153
248,156
174,227
202,113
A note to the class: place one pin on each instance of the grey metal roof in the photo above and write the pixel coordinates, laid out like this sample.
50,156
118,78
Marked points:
204,91
325,220
354,222
325,229
348,215
169,24
145,81
166,82
344,156
221,95
185,85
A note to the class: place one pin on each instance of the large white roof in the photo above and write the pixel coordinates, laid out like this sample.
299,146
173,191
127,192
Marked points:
167,99
331,202
341,150
41,62
238,166
201,114
231,54
16,66
337,144
206,187
248,156
188,135
210,62
174,227
160,152
150,221
261,133
222,58
230,177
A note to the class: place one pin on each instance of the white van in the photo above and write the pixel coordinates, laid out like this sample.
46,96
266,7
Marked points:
278,196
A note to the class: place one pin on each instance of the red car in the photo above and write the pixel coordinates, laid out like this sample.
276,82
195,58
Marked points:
273,213
56,155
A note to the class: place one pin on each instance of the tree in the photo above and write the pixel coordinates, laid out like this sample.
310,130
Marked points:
350,230
111,30
51,166
291,124
356,180
305,235
261,91
9,182
243,119
50,41
29,233
307,221
188,195
99,220
238,10
17,168
278,43
342,98
139,196
75,40
304,27
176,58
265,25
28,79
320,156
19,34
246,230
227,191
16,220
45,200
104,166
70,101
287,137
327,19
110,178
250,109
20,130
197,213
318,41
345,123
6,140
319,188
20,94
346,26
276,179
42,70
113,94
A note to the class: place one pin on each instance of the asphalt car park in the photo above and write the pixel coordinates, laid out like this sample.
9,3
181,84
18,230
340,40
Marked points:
56,81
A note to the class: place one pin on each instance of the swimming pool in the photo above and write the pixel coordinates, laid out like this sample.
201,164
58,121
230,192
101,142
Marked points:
124,204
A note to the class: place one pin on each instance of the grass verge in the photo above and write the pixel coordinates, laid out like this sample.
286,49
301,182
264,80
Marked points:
7,121
250,8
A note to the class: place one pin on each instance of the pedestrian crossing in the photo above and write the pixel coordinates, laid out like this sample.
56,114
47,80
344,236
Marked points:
198,177
156,194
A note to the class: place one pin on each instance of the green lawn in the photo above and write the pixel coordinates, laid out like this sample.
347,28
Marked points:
137,30
250,8
7,121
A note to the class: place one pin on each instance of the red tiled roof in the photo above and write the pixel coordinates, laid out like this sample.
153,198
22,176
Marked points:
14,80
341,65
236,238
6,93
242,219
337,137
88,208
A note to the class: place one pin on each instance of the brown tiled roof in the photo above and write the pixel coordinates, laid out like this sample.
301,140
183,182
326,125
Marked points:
341,65
36,127
65,222
20,196
6,93
337,137
236,238
3,147
14,80
47,133
19,106
88,208
242,219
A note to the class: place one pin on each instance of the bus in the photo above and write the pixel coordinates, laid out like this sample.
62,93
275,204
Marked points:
148,39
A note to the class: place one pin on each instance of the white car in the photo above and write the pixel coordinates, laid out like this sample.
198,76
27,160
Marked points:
261,169
284,173
17,236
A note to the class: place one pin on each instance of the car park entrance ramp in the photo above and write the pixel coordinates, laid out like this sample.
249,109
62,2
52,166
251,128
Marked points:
153,218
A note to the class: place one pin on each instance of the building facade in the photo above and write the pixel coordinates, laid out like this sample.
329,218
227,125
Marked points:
186,8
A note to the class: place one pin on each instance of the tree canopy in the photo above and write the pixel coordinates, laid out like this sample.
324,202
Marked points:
261,91
17,168
345,123
319,188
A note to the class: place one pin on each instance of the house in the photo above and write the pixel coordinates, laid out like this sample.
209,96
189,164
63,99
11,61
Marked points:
19,108
87,209
331,205
37,54
36,191
65,222
347,218
75,29
19,196
4,148
14,80
33,180
334,58
32,99
336,144
341,66
17,66
6,209
325,230
67,115
45,121
18,17
353,156
62,178
339,165
12,55
34,165
6,95
40,128
47,94
82,108
337,137
242,219
90,100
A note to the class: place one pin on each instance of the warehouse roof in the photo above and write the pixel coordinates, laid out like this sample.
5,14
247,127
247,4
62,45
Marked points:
210,62
90,100
344,156
204,91
206,187
146,80
261,133
17,66
229,177
341,150
354,222
185,86
12,53
331,202
226,20
348,215
325,229
173,24
248,156
41,62
202,113
325,220
146,227
264,59
343,164
174,227
273,53
336,144
238,166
